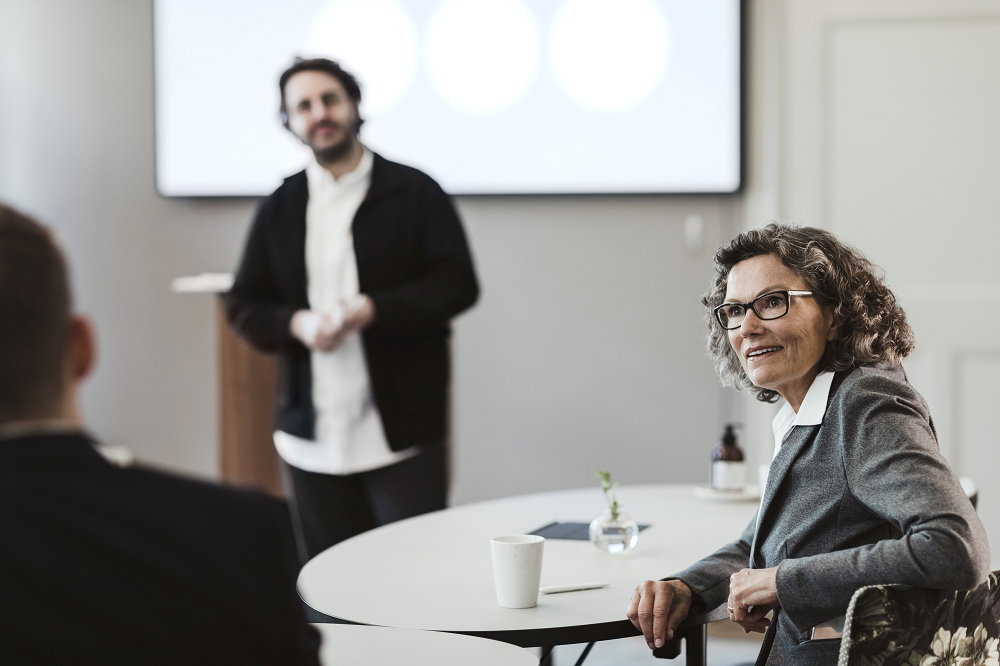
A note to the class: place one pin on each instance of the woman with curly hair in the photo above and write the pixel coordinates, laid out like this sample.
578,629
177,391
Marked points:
858,492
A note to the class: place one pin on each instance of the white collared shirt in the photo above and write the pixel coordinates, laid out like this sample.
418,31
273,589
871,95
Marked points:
349,434
811,411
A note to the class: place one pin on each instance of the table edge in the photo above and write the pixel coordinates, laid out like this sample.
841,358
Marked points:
526,638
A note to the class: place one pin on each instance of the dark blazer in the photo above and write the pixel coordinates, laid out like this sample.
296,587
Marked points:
413,262
104,565
864,498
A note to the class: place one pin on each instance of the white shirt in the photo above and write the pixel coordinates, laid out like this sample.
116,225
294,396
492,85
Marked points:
810,412
349,434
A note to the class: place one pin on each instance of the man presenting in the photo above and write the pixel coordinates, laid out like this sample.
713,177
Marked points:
104,565
351,273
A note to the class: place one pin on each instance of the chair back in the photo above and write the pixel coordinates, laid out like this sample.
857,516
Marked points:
901,624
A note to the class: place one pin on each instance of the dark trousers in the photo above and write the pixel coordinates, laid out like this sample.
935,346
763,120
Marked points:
326,508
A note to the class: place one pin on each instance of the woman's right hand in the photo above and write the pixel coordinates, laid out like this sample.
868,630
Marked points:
753,593
657,607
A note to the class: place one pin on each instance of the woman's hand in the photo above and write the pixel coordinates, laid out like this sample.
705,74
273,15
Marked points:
657,607
753,593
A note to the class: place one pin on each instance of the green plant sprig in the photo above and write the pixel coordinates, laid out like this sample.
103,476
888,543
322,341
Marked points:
606,487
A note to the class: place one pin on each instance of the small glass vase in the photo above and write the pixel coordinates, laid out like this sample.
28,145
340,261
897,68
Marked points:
615,536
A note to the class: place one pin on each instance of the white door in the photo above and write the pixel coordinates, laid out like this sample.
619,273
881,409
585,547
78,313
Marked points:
888,133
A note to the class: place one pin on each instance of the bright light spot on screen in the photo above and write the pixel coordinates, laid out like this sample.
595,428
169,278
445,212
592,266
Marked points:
373,39
608,56
482,56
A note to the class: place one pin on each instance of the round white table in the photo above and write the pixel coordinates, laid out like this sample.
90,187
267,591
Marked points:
354,645
435,572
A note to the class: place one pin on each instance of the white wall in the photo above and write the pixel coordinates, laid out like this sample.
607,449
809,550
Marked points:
885,131
76,150
584,352
586,349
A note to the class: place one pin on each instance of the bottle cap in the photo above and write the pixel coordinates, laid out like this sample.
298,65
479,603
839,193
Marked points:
729,437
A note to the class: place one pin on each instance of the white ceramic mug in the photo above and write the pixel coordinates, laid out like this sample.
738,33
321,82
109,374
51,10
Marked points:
517,569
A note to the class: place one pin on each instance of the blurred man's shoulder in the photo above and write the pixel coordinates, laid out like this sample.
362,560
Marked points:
202,499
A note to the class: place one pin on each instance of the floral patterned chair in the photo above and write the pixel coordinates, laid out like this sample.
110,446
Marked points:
893,625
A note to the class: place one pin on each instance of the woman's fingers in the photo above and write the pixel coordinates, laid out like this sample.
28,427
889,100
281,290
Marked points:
758,627
657,607
646,601
736,606
755,619
677,613
752,587
640,610
632,612
757,613
752,595
661,609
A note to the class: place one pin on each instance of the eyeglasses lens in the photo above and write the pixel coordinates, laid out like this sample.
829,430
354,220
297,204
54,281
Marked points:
731,316
771,306
768,306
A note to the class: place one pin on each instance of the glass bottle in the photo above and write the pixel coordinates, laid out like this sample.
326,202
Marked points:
728,466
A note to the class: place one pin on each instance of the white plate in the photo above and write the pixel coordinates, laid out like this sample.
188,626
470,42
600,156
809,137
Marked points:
748,494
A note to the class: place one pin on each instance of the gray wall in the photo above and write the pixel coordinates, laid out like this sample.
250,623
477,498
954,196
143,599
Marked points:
584,352
76,150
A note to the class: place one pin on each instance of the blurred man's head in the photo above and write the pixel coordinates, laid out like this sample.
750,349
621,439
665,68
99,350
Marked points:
44,348
319,104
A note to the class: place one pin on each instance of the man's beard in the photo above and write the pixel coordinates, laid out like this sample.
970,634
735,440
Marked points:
331,154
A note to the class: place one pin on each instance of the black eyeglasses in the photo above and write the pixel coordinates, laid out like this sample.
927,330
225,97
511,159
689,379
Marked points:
772,305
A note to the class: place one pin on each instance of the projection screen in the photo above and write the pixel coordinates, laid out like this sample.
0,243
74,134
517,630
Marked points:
487,96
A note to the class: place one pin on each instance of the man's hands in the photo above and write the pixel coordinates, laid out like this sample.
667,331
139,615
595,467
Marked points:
753,593
657,607
324,333
358,313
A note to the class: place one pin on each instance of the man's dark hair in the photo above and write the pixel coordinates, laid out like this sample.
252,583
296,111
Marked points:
319,65
34,317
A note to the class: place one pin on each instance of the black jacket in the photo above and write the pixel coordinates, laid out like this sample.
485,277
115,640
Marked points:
104,565
413,262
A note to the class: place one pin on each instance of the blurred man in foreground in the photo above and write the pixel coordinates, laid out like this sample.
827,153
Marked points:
100,564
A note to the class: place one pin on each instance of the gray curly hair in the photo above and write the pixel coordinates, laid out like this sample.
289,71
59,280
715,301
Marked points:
873,326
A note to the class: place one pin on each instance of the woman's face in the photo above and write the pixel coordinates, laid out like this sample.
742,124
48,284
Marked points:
792,345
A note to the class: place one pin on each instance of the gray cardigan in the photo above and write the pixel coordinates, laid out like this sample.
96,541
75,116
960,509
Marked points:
862,499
